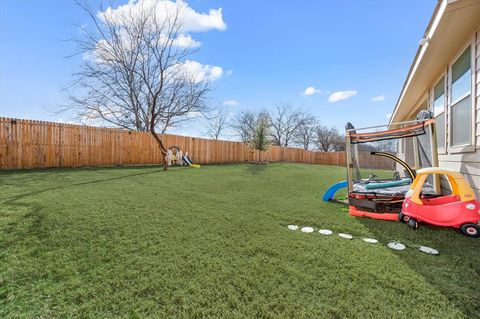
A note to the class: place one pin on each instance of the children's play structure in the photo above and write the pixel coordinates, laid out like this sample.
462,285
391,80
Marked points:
175,156
458,210
408,189
393,152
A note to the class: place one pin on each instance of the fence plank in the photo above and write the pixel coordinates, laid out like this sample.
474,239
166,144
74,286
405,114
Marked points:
38,144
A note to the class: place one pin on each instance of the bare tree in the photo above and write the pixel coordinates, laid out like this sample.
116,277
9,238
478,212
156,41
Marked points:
244,125
386,146
339,143
306,132
134,73
218,123
284,123
254,129
326,138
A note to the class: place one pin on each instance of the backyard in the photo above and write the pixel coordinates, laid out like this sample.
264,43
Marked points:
212,242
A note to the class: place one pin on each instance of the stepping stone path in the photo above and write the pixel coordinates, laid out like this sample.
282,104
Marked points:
307,229
392,245
345,236
428,250
396,246
326,232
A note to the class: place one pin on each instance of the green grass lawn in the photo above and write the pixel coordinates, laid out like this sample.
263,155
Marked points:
213,242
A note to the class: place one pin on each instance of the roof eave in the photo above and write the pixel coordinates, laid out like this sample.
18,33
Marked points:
433,23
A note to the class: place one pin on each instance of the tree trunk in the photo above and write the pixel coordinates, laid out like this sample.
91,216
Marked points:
165,164
163,150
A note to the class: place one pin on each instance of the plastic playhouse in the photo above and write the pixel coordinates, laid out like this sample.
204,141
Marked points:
458,210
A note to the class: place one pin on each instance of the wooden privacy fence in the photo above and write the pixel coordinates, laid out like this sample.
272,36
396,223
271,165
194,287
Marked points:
38,144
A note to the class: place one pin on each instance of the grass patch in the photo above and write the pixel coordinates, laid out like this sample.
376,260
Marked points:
212,242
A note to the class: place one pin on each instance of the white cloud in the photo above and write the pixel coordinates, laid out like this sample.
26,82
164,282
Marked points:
192,115
192,69
230,103
388,116
192,21
311,90
379,98
198,22
186,41
165,10
200,72
341,95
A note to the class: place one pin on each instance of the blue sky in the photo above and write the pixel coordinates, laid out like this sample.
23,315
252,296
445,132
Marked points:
270,52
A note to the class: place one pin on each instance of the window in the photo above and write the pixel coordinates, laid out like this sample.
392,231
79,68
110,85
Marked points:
439,111
460,100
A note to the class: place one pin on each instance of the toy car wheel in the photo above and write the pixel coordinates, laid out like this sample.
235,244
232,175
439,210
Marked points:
470,230
412,223
403,218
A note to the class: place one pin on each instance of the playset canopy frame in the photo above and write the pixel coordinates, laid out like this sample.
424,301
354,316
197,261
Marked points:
380,201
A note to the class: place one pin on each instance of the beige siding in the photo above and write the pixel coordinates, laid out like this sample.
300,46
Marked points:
477,86
469,163
445,185
471,169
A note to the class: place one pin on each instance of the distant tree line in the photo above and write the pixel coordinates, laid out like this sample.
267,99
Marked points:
283,126
135,75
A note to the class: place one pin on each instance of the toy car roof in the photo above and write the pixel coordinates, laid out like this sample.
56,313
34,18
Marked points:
459,185
440,170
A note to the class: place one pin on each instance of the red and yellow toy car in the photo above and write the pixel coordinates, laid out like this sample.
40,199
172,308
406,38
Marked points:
459,210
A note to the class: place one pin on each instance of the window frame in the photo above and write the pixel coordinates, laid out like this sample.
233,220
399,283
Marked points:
431,101
468,147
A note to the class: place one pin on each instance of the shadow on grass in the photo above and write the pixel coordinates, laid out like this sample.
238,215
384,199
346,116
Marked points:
256,169
30,221
459,258
51,170
95,181
26,225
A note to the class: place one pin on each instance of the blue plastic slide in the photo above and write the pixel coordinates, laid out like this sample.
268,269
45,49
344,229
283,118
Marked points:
333,189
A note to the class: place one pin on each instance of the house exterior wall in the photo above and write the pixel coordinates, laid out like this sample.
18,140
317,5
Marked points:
477,89
467,160
468,163
405,154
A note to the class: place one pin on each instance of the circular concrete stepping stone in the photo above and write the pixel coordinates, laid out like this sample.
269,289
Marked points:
345,236
370,240
307,229
325,232
396,246
292,227
428,250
